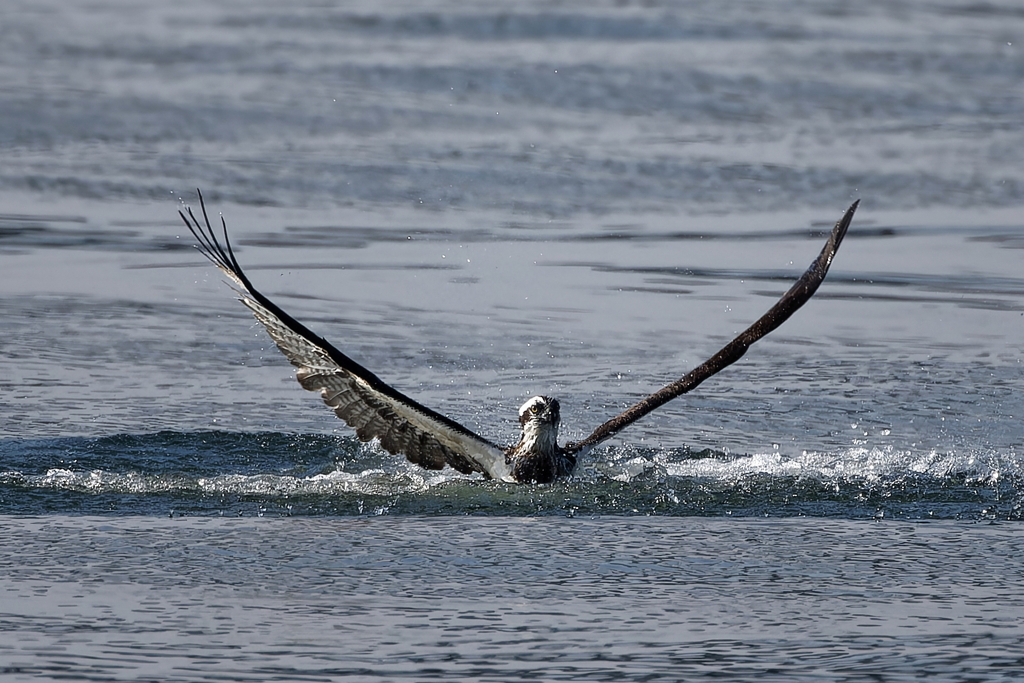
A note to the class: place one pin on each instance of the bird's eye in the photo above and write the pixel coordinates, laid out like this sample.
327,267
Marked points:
535,409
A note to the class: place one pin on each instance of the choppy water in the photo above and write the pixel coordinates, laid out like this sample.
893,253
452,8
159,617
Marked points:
508,599
482,203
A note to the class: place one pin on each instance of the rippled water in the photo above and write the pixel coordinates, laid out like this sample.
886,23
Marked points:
482,203
414,598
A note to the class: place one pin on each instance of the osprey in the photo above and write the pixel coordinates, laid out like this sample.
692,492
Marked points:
378,411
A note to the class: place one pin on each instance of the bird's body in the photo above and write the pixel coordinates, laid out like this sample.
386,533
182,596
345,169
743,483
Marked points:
538,457
402,425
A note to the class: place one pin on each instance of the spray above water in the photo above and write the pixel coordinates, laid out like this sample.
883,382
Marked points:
339,476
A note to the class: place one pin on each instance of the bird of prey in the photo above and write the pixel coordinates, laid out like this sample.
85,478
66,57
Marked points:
403,426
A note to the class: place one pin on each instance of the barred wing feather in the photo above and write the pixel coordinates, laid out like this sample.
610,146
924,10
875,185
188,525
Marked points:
797,296
368,405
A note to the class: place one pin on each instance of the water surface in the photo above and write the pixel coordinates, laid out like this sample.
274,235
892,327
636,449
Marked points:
482,203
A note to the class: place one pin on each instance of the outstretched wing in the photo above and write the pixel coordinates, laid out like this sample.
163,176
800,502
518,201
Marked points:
796,297
360,398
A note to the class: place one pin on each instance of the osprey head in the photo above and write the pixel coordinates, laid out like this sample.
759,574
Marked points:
540,413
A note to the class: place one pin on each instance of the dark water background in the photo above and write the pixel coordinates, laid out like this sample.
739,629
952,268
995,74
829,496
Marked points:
483,202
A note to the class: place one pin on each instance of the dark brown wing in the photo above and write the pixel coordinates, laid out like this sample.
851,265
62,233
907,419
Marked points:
796,297
360,398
